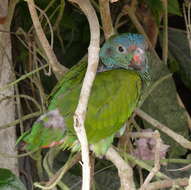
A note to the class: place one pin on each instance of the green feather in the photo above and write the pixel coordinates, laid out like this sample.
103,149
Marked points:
111,103
114,96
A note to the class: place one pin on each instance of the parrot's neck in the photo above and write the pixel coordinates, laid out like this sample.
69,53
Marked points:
102,68
145,76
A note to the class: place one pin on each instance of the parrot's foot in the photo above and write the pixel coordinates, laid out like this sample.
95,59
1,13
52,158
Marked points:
52,119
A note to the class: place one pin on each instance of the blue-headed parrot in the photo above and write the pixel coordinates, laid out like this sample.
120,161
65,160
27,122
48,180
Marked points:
114,96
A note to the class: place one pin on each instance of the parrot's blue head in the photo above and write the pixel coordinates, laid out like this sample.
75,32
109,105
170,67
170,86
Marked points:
126,51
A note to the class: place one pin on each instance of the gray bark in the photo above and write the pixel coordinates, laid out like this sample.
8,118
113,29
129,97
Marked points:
7,106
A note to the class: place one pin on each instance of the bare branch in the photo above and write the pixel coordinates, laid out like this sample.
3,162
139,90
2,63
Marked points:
131,13
58,69
165,31
167,183
124,170
178,138
55,179
80,113
106,18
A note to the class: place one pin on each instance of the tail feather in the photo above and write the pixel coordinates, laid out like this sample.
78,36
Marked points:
46,132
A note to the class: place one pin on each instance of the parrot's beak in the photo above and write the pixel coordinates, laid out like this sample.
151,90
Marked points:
138,60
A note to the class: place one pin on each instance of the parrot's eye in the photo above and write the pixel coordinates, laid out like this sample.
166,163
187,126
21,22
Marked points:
121,49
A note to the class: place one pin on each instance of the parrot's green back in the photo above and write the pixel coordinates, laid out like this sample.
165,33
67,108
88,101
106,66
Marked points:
111,103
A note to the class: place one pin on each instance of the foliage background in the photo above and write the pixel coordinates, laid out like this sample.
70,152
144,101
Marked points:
71,40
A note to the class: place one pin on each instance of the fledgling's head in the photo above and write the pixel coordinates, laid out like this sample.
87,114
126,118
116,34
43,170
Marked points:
126,51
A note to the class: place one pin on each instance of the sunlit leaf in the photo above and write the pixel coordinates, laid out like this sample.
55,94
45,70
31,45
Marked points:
8,181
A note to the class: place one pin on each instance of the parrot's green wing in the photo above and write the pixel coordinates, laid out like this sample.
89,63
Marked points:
42,137
113,98
74,76
114,95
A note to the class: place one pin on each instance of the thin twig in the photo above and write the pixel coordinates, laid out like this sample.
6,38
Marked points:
6,155
58,176
106,18
186,112
187,167
51,36
23,96
187,5
17,121
131,13
165,31
49,24
19,108
58,69
80,113
142,164
23,77
124,169
176,137
60,15
48,165
117,21
167,183
176,160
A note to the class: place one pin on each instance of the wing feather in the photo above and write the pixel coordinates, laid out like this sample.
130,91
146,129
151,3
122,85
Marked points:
113,98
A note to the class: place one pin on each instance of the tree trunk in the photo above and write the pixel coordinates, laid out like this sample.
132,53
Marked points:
7,106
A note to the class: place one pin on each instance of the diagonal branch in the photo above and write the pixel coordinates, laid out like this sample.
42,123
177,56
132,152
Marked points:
80,113
125,171
57,68
106,18
178,138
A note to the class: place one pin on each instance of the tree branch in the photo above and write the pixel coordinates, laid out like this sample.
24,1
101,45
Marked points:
165,31
80,113
131,13
106,18
178,138
124,170
167,183
57,68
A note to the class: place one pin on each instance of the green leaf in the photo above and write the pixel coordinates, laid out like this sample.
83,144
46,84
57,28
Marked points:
173,64
157,7
174,8
8,181
180,51
163,106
